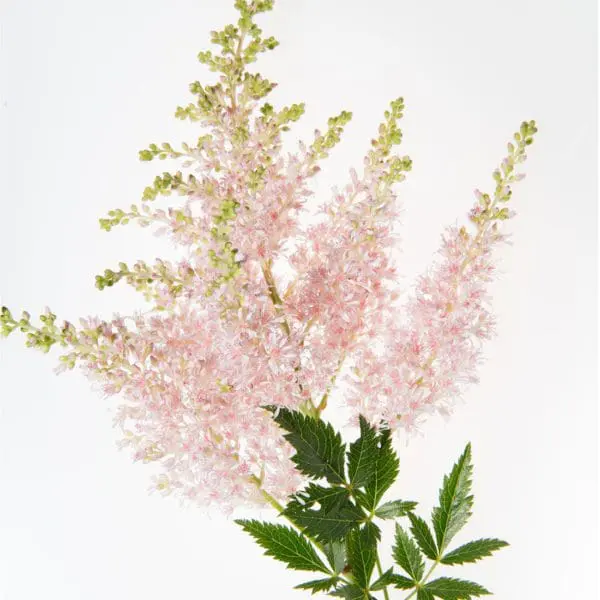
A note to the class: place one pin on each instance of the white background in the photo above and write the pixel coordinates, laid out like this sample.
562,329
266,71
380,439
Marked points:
85,85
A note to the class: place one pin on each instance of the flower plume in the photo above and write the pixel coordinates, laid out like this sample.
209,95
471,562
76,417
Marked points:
223,338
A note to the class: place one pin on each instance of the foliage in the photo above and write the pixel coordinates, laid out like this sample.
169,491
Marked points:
344,529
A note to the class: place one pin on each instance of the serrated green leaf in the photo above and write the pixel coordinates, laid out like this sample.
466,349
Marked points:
455,501
349,592
473,551
320,451
423,536
334,517
336,555
402,583
284,544
424,594
361,545
384,580
449,588
386,471
395,508
318,585
376,530
362,455
407,554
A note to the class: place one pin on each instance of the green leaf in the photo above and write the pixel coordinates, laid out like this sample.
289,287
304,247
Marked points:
349,592
384,580
376,530
362,553
407,555
395,508
318,585
362,456
390,578
334,517
473,551
424,594
336,555
422,535
449,588
320,451
455,501
284,544
386,471
403,583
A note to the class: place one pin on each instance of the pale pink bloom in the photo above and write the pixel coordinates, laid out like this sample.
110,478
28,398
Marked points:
221,341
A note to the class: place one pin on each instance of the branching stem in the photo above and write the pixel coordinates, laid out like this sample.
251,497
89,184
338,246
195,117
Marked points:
424,580
380,571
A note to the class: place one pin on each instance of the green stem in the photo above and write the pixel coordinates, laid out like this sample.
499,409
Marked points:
323,404
238,56
424,580
380,571
280,509
311,409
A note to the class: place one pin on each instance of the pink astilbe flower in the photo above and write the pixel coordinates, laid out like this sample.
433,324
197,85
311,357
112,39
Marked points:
430,355
223,339
192,386
345,285
429,358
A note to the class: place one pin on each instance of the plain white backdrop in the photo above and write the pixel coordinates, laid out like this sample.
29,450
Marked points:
85,85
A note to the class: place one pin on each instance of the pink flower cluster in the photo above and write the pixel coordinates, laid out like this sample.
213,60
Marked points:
345,284
224,338
430,355
193,377
194,372
191,388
